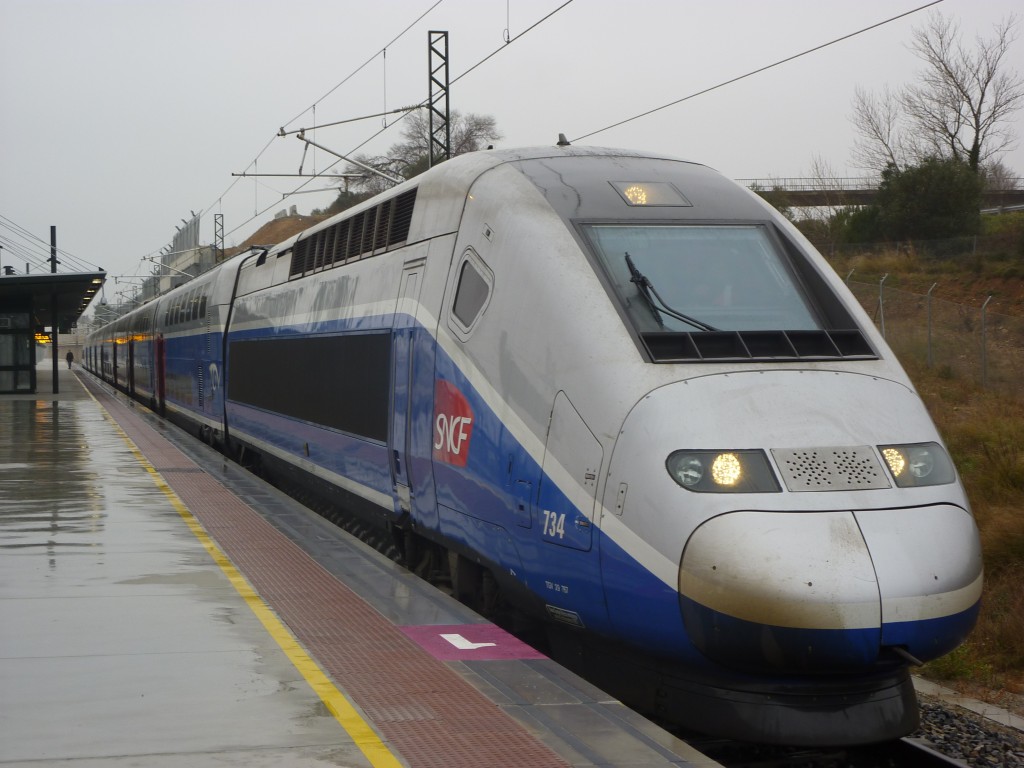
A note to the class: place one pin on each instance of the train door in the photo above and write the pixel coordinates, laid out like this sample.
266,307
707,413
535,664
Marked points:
567,515
115,357
161,366
131,365
572,460
402,346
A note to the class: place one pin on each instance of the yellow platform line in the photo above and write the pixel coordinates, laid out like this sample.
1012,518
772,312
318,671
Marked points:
363,736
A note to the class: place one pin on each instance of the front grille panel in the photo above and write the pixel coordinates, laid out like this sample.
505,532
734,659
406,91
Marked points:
844,468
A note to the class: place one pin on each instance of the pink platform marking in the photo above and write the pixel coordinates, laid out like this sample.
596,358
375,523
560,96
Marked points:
468,642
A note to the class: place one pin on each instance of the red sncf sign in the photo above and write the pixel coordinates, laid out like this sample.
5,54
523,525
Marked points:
453,424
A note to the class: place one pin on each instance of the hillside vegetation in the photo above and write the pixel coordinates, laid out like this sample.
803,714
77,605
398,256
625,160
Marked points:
984,430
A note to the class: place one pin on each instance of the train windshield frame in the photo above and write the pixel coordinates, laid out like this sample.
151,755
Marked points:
696,278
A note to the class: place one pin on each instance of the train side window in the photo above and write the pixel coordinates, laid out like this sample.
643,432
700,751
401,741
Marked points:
472,292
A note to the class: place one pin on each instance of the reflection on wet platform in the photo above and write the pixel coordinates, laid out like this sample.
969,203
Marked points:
120,638
153,613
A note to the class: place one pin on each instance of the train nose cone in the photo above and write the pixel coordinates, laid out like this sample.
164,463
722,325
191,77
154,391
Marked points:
787,591
830,568
830,591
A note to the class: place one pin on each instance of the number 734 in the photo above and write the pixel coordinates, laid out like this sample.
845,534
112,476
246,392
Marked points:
554,524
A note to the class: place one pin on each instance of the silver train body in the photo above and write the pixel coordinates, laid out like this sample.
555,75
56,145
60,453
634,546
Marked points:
625,390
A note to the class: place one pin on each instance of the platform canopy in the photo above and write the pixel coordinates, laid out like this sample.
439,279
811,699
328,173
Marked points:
42,294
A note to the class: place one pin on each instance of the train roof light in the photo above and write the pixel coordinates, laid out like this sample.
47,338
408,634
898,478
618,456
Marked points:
650,194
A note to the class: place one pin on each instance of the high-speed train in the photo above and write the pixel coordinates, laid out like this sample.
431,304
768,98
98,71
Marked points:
619,392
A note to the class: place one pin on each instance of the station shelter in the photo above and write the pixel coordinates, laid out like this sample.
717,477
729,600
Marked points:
33,308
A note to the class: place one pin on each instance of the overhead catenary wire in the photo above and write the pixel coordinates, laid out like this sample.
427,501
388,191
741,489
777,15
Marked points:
405,110
254,163
337,85
757,71
397,110
36,251
257,211
508,39
648,112
511,40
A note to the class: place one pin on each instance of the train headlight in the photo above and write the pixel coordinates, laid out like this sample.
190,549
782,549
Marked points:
688,471
918,464
726,469
722,471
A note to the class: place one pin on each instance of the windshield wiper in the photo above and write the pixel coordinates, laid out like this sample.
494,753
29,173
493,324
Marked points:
650,293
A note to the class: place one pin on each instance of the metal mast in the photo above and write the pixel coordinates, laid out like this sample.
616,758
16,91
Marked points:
218,238
440,128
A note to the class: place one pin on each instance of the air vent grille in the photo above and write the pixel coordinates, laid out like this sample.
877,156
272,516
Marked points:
365,234
781,346
830,469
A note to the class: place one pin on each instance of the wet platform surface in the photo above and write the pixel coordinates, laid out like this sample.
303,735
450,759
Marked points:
161,607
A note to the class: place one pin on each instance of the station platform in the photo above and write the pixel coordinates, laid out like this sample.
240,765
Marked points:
160,606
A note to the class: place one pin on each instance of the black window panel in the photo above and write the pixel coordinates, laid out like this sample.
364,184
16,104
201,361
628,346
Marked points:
370,218
340,382
315,250
341,241
309,254
306,247
380,238
402,217
355,240
298,258
320,244
470,295
329,234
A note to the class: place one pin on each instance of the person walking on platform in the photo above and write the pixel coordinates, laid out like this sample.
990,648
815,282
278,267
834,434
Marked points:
70,356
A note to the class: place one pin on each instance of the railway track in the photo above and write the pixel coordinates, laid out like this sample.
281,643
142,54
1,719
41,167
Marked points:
904,753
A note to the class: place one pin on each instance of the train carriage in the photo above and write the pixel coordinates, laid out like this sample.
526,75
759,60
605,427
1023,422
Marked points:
626,395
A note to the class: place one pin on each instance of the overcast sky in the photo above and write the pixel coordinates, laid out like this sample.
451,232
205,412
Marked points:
120,117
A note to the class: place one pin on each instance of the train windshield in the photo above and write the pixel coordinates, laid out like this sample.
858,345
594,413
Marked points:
697,278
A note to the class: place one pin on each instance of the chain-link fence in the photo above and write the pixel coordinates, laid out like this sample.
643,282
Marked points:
957,340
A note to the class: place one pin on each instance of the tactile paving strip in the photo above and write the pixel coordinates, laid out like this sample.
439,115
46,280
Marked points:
421,708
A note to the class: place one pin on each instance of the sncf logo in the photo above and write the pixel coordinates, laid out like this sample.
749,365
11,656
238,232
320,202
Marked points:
453,424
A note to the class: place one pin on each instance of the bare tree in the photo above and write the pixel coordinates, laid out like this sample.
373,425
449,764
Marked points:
469,133
998,177
961,107
825,180
408,157
876,120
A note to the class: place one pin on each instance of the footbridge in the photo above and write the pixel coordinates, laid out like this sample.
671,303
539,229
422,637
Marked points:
809,193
